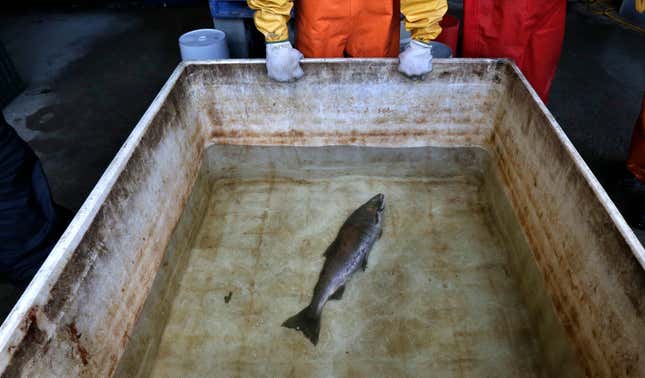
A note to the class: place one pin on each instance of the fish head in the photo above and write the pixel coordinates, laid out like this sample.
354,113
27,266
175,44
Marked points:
375,206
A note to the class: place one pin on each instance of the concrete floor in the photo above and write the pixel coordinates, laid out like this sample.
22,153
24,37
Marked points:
92,74
597,93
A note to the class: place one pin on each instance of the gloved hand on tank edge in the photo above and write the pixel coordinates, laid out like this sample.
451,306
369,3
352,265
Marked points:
283,62
416,60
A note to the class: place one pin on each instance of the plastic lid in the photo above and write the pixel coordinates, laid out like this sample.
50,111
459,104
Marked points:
202,37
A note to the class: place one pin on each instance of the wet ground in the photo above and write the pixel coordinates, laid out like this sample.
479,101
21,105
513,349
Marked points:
92,74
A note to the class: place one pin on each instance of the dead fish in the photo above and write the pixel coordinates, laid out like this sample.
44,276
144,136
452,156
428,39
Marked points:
346,254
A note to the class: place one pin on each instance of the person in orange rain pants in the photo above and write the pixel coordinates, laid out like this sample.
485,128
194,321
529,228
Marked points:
356,28
529,32
636,165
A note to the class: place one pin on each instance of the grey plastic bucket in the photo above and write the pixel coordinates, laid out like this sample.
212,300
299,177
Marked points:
203,44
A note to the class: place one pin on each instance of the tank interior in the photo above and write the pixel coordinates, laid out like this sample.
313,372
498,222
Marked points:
451,287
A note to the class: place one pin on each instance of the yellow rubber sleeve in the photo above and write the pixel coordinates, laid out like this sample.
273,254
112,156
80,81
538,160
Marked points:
271,18
422,18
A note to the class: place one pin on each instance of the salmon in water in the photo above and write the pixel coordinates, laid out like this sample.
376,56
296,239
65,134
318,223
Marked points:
346,254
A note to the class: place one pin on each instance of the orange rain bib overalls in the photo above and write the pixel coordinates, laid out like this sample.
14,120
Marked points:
356,28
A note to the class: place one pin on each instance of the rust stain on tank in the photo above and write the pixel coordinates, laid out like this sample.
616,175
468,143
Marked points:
29,347
235,136
113,364
559,297
565,291
76,339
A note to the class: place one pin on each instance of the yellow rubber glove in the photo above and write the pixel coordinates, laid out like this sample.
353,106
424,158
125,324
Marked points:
640,6
271,18
422,18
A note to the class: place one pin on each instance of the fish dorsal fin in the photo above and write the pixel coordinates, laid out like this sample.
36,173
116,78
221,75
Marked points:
329,252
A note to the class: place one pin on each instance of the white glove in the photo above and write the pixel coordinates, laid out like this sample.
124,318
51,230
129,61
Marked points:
416,60
283,62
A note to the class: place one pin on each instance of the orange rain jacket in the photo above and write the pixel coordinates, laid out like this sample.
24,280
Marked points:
529,32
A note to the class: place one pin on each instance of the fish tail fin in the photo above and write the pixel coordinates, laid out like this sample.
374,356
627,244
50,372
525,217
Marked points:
303,322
